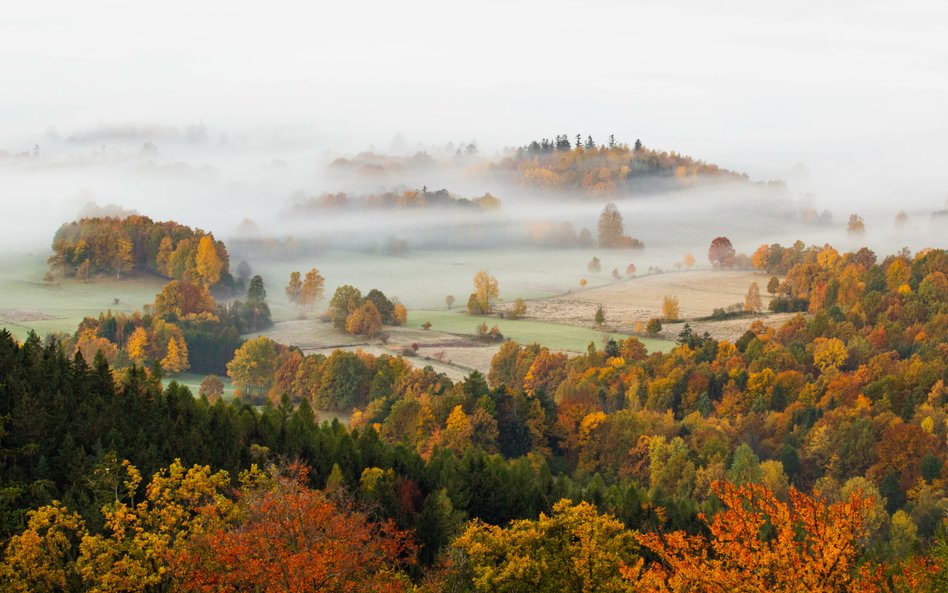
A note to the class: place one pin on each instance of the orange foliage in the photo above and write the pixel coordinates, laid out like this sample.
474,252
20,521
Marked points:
760,544
287,538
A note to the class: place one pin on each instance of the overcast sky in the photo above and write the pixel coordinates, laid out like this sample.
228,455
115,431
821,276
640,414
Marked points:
856,91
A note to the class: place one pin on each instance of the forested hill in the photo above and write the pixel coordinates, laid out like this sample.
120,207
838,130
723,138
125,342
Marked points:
115,245
607,169
713,461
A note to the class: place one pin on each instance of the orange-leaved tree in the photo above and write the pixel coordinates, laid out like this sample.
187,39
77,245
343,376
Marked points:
760,544
286,537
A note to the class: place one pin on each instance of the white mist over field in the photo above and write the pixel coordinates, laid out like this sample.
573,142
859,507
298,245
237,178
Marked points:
209,113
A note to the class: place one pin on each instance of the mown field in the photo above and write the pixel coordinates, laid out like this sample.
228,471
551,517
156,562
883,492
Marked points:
569,338
26,302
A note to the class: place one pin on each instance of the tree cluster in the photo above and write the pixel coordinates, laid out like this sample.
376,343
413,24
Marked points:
138,244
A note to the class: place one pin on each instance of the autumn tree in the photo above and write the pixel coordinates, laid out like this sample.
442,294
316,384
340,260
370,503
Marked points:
518,310
670,308
449,300
721,253
43,557
311,292
253,367
364,320
399,314
689,260
654,326
630,270
611,231
758,543
773,285
212,387
208,263
294,287
574,549
137,344
284,537
343,302
856,225
828,354
122,256
486,291
752,301
179,298
176,357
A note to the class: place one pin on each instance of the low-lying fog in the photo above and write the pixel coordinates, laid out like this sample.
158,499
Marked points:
246,188
223,119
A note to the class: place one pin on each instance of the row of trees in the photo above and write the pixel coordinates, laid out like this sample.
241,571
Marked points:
137,243
404,198
184,329
606,170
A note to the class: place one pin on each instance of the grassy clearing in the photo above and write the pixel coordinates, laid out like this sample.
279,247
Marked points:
26,302
526,331
193,382
422,278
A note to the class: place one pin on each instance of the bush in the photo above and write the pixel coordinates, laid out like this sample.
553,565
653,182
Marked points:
483,334
654,326
518,310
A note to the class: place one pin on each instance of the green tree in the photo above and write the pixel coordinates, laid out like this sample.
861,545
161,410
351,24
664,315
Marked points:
343,302
253,367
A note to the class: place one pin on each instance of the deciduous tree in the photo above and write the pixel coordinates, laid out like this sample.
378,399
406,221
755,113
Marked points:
759,544
311,291
752,301
575,549
486,291
721,253
208,263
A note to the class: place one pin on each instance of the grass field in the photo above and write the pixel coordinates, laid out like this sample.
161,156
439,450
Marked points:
193,382
26,302
526,331
421,278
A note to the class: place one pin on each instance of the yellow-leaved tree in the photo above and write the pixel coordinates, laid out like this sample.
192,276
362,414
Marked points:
137,345
176,359
208,263
573,550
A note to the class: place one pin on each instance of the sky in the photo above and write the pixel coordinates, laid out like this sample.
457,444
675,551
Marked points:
854,91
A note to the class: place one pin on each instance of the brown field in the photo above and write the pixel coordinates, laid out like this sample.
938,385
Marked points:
451,354
639,299
625,303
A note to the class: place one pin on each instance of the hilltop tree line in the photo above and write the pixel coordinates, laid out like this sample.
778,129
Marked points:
604,169
405,198
138,244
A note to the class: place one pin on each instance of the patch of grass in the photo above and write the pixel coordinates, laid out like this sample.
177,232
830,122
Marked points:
193,382
526,331
65,302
